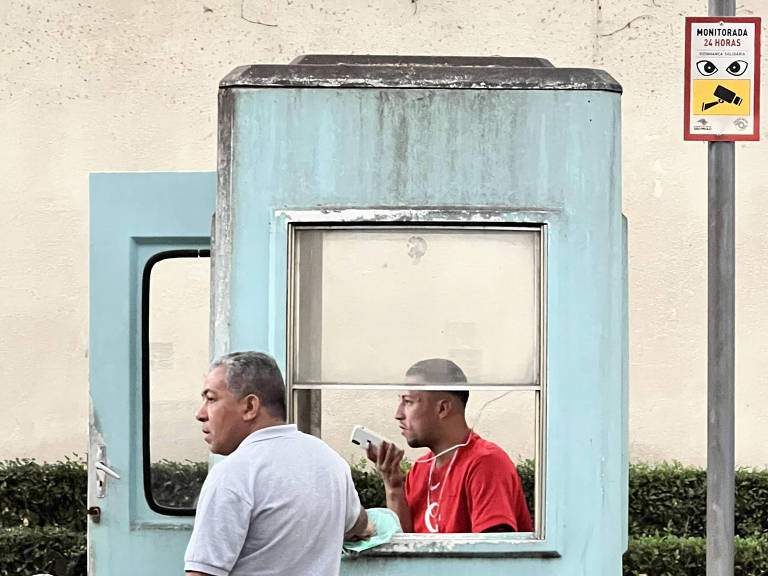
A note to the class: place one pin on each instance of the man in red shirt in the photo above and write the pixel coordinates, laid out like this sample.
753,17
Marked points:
465,483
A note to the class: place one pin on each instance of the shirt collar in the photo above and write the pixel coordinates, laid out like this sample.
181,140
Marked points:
270,432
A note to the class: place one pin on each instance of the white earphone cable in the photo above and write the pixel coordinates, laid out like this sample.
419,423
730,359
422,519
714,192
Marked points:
471,429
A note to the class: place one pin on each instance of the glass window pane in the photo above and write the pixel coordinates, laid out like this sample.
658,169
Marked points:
507,418
178,362
370,302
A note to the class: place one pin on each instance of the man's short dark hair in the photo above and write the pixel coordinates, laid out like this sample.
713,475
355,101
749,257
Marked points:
255,373
441,371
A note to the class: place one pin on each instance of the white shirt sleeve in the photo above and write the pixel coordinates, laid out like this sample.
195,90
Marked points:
353,503
221,526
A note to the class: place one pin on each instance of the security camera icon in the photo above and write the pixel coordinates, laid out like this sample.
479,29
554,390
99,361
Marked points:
723,95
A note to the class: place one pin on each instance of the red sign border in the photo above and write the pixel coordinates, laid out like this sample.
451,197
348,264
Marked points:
755,135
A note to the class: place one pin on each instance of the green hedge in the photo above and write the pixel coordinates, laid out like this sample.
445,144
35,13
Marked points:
177,484
35,495
42,514
663,499
28,550
672,499
676,556
751,502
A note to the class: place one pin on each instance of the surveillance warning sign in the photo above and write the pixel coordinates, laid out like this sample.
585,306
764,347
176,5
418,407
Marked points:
722,78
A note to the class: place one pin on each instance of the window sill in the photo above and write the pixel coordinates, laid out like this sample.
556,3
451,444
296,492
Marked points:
512,544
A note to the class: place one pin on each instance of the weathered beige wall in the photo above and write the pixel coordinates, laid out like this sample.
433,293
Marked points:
131,86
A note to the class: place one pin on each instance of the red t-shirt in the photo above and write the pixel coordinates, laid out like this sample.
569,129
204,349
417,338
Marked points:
480,489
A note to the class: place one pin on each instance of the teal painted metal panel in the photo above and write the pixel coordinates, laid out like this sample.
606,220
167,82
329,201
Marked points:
538,156
132,217
545,156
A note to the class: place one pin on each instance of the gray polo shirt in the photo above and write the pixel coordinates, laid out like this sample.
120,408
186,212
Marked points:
278,505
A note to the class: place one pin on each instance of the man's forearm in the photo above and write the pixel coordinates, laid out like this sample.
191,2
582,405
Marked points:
399,505
359,529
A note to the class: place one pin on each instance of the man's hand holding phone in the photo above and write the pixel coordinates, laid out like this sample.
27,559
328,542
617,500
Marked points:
381,452
387,457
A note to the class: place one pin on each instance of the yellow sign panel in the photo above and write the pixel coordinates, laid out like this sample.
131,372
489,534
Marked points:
721,97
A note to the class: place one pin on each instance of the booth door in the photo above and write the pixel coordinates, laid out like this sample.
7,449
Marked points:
148,353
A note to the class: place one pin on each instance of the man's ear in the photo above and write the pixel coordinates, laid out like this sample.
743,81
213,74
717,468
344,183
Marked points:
444,406
252,407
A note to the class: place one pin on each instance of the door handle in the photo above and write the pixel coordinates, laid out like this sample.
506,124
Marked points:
102,471
107,470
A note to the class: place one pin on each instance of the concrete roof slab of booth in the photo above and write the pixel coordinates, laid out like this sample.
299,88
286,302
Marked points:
399,60
337,71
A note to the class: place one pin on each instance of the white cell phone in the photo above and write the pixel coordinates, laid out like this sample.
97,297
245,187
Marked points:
362,437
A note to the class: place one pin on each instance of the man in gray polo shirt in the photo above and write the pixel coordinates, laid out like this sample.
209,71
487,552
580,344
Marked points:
282,502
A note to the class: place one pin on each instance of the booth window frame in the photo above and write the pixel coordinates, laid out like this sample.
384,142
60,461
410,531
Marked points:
523,544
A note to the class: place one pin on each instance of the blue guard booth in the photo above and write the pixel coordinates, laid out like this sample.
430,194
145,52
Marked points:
370,212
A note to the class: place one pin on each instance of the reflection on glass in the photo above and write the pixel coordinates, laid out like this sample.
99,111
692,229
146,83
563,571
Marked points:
178,354
388,325
506,418
371,302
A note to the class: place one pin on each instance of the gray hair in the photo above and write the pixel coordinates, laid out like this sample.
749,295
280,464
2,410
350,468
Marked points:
255,373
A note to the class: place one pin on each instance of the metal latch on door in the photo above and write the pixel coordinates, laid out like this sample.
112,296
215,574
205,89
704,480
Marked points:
102,471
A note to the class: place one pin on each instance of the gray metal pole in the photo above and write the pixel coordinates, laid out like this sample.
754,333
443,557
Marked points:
720,373
721,485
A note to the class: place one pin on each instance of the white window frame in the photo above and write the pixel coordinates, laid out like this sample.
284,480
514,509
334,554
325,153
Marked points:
485,544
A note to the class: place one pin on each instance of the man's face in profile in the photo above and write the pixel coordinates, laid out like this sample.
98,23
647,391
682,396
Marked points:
221,414
417,414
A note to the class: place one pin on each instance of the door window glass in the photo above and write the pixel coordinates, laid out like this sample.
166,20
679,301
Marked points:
176,299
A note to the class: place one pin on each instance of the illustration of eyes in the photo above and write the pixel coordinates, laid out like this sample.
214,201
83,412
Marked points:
706,67
737,68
